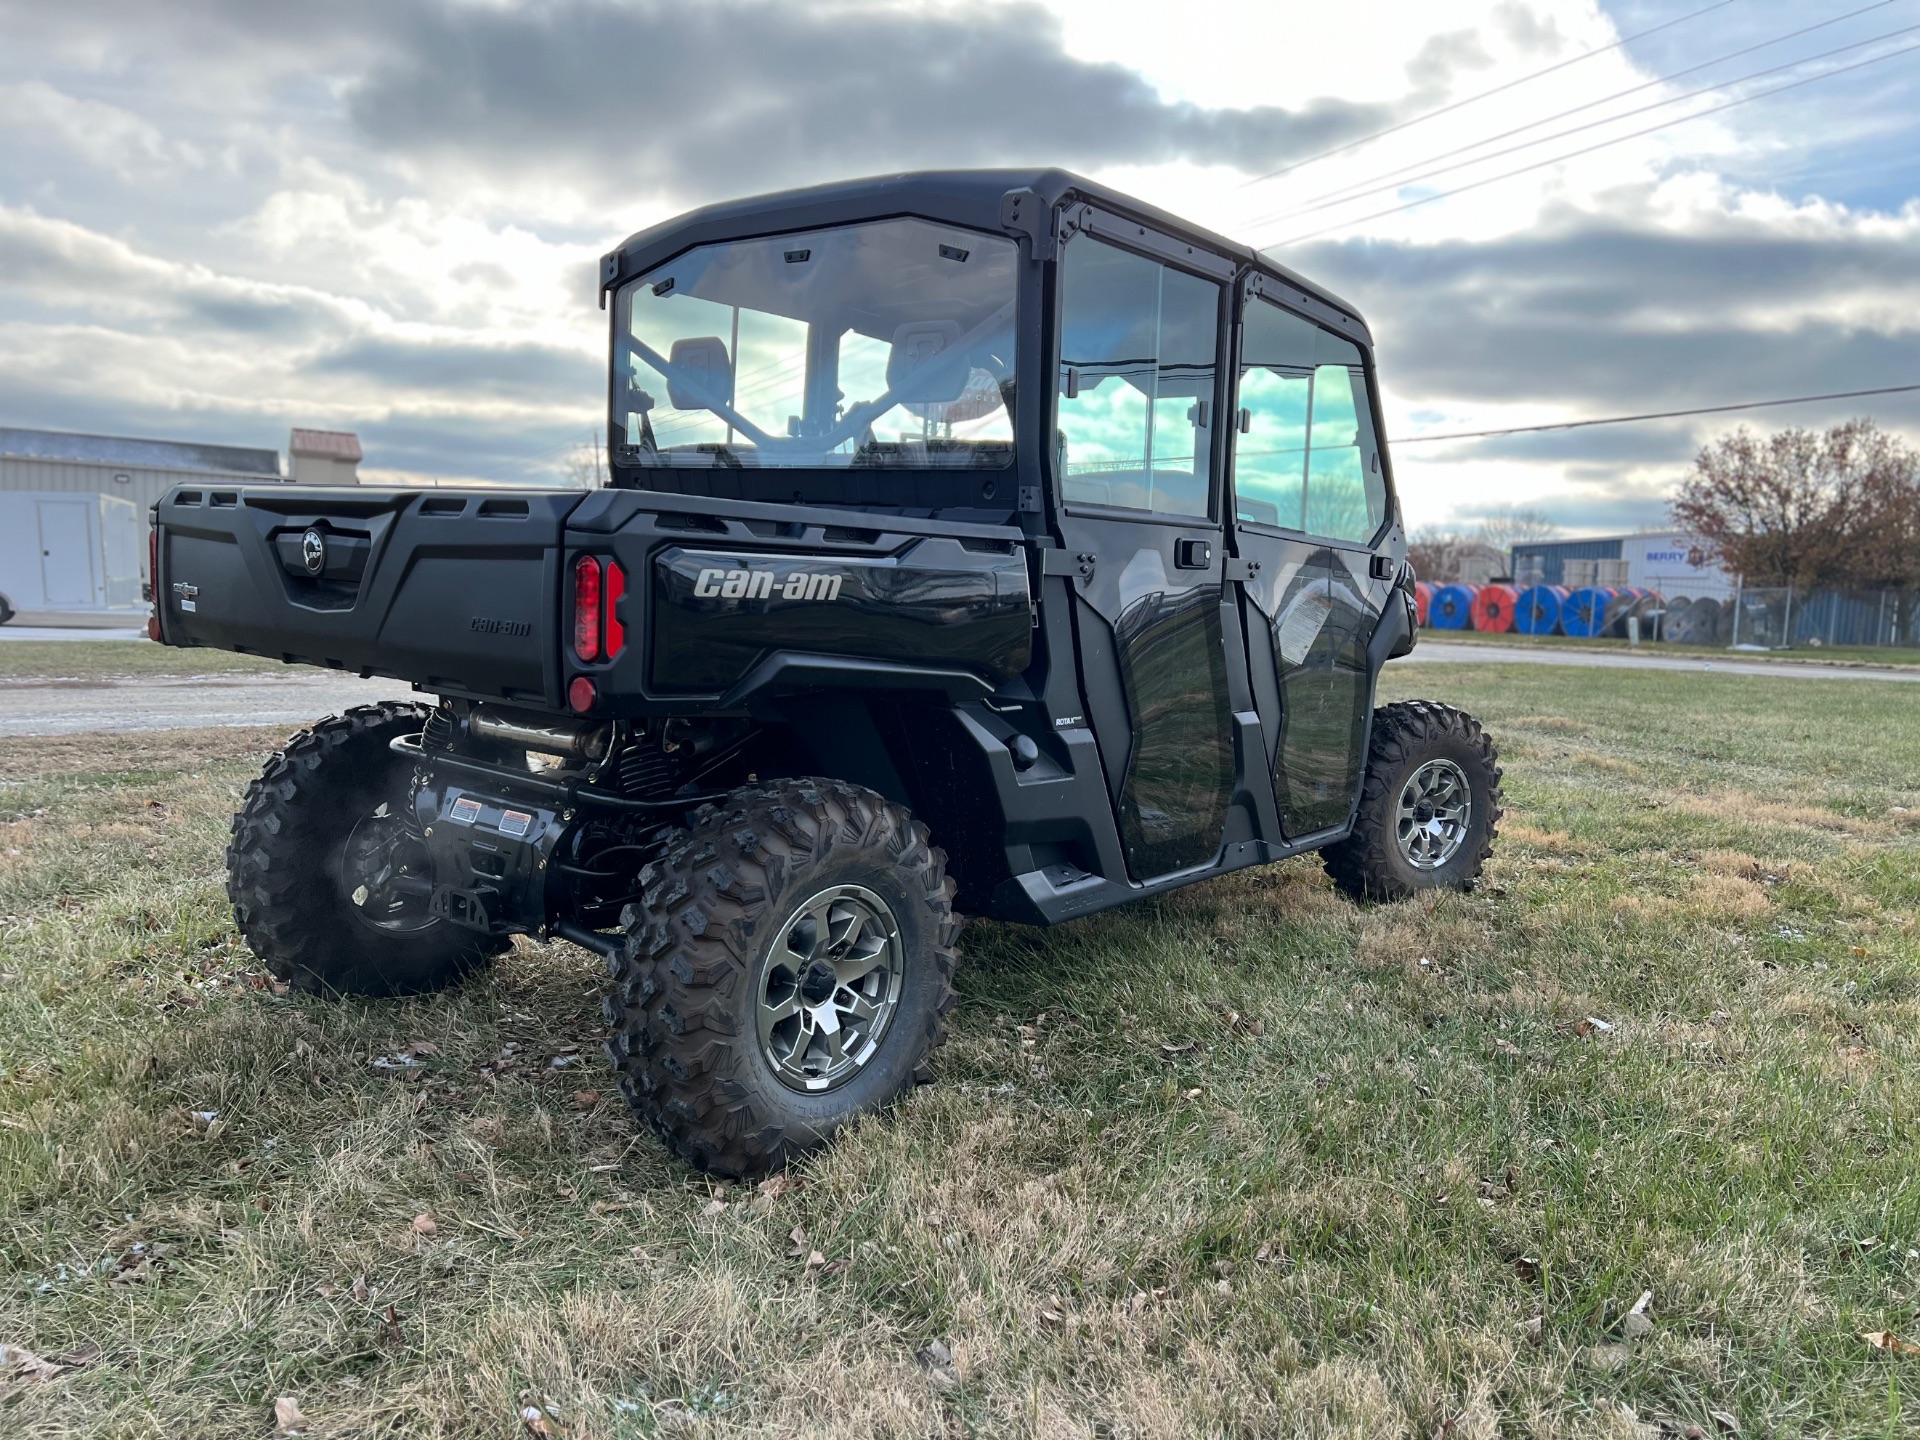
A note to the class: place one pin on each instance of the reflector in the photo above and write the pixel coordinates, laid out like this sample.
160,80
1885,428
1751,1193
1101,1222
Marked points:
616,632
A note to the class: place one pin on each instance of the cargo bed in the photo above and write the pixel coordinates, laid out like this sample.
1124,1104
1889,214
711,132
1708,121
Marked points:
711,603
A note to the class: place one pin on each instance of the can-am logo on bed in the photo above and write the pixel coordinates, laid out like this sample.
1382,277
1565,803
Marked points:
723,584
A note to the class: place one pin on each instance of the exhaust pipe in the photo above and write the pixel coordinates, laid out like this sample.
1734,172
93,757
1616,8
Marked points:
554,738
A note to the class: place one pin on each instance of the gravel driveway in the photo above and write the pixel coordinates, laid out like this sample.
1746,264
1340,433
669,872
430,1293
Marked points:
193,702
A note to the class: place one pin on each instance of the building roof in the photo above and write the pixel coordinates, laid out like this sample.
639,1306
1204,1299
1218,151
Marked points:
335,444
138,454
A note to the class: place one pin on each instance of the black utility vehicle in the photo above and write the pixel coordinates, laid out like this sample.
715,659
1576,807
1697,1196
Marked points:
979,541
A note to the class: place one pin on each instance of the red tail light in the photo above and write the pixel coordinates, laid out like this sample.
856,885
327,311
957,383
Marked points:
154,631
586,608
598,585
616,587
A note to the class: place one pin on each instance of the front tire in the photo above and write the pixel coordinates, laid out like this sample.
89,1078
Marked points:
335,789
1429,806
788,971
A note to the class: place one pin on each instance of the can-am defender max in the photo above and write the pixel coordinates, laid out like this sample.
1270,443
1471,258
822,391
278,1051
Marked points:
980,542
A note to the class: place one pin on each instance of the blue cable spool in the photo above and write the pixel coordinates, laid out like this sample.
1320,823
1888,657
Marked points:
1451,607
1537,611
1585,613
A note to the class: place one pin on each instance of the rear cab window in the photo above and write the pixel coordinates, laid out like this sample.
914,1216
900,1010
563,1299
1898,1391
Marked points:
882,345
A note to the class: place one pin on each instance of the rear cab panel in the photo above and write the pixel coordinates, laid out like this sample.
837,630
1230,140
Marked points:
718,590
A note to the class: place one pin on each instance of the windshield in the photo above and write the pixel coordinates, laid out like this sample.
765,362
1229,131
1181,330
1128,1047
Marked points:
888,344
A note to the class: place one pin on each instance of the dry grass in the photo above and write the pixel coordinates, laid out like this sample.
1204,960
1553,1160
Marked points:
89,661
1247,1160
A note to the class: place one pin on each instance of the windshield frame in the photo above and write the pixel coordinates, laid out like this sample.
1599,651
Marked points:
985,484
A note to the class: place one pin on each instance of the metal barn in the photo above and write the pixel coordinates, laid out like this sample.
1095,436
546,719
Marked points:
137,471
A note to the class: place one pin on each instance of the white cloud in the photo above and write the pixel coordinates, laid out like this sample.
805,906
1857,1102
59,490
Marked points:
217,217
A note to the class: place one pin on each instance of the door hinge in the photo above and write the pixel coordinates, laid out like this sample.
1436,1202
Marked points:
1030,499
1077,564
1238,567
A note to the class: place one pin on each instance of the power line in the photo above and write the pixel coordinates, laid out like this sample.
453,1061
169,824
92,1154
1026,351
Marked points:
1398,177
1653,415
1483,95
1590,149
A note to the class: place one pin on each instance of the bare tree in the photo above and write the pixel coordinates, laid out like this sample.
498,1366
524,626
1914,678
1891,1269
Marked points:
1504,529
1805,509
584,464
1449,557
1434,554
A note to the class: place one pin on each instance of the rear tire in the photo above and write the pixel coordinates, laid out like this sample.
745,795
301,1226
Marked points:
1429,805
788,971
285,865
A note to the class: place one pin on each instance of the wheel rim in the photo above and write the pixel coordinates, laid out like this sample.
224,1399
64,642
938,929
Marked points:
1436,808
381,854
829,988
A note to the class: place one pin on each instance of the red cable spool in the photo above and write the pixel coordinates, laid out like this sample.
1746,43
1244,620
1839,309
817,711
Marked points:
1493,609
1422,597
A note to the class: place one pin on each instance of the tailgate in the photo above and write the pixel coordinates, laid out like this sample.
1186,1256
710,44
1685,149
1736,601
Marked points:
454,590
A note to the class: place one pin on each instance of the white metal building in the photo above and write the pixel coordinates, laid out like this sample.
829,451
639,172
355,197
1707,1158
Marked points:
139,471
67,558
1668,561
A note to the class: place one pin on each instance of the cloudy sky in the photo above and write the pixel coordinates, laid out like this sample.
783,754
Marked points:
220,218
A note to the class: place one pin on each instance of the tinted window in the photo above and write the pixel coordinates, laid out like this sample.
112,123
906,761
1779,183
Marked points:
1136,381
1305,458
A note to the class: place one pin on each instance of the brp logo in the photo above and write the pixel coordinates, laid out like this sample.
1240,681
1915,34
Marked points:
313,551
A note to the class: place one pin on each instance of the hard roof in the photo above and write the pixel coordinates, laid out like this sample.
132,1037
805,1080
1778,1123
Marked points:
970,197
138,454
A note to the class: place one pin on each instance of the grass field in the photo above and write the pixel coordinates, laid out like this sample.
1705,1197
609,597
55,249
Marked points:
1804,654
1245,1161
94,659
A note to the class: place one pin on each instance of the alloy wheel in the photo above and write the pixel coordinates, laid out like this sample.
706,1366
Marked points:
1434,813
829,988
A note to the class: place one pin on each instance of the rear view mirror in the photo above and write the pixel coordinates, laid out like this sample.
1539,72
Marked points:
700,374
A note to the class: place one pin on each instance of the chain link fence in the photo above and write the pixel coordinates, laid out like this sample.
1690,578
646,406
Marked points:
1781,618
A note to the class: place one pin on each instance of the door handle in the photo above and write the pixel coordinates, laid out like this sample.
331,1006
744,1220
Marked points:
1192,554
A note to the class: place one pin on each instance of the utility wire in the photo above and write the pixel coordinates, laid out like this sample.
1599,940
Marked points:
1589,149
1654,415
1483,95
1398,177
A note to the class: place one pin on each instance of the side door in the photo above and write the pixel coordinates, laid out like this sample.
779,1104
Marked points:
1310,498
66,552
1135,460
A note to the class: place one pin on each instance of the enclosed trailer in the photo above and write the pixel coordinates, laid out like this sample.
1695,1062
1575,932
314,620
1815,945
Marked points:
69,558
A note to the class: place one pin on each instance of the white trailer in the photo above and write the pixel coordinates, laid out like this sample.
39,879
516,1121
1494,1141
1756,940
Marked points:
69,559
